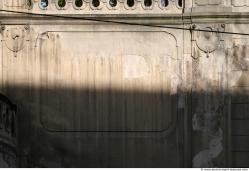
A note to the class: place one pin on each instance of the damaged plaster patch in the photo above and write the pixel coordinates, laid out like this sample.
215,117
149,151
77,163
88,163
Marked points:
135,67
209,124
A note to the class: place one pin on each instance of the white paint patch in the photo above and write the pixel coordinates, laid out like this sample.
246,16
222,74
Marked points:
174,84
134,66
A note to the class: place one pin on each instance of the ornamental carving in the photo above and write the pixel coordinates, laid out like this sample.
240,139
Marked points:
15,37
207,38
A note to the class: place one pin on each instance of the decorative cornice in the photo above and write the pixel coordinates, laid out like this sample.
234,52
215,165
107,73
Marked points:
97,6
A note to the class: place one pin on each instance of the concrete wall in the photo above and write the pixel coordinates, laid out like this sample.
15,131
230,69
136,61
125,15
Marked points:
102,94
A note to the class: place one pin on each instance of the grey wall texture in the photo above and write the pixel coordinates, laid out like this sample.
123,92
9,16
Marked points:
124,83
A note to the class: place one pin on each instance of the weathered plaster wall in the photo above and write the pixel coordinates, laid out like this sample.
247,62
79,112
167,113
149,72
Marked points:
95,94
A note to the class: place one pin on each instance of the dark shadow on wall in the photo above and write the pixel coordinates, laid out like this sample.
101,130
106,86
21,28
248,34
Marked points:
111,128
97,128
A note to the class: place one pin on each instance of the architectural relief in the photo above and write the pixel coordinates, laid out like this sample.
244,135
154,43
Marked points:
129,66
240,3
16,3
209,80
208,41
14,38
206,6
220,6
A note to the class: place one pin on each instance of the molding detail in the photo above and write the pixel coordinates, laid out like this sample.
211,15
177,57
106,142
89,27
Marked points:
100,7
208,2
240,3
14,38
207,42
15,3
